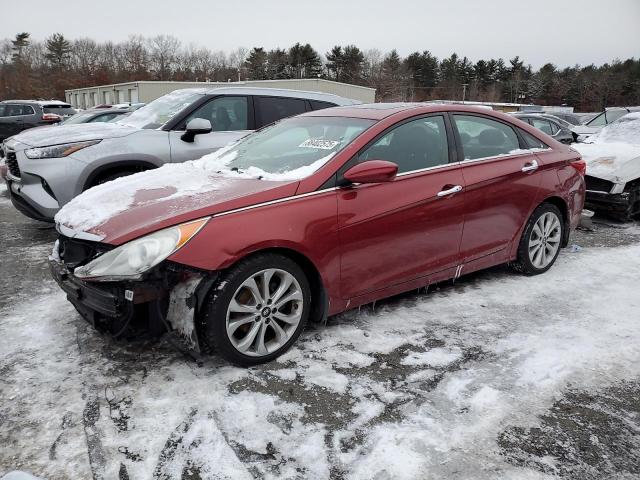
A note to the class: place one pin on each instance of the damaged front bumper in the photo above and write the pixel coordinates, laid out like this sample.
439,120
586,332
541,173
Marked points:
622,205
168,299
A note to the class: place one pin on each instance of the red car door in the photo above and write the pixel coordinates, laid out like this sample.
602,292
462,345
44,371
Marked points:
501,183
396,231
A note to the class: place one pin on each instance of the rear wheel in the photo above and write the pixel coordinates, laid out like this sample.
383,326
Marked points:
258,309
540,243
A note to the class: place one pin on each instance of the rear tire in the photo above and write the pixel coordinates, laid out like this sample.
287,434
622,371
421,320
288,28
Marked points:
541,240
247,317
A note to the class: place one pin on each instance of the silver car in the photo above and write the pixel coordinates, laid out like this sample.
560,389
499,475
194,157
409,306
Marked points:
48,167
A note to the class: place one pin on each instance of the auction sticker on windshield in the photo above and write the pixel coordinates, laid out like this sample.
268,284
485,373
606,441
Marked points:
319,143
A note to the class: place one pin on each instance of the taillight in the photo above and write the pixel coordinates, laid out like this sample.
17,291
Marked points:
51,117
580,165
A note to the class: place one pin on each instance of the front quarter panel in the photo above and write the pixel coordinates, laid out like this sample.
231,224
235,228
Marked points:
305,224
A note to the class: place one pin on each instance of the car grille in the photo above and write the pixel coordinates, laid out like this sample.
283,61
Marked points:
597,184
12,163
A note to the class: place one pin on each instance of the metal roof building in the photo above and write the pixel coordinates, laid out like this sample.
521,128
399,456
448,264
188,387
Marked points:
147,91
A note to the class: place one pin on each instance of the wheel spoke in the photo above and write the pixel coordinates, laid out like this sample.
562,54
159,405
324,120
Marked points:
281,335
248,340
233,325
294,295
285,284
291,319
236,307
255,291
537,230
266,279
261,348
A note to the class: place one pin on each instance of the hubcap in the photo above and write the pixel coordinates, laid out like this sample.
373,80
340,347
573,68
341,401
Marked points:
255,329
544,241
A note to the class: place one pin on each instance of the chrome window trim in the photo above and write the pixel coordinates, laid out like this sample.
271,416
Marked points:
274,202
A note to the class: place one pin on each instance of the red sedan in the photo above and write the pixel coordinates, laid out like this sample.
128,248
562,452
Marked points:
312,216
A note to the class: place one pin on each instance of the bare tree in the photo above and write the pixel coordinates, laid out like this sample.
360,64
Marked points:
163,50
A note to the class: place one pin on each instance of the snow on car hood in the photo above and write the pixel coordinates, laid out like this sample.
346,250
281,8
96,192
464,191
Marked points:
616,162
56,135
127,207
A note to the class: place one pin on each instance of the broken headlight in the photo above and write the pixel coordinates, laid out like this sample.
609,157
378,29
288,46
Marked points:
131,260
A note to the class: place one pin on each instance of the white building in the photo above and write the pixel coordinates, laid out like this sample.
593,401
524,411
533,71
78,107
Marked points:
146,91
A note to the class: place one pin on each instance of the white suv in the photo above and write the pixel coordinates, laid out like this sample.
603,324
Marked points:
48,167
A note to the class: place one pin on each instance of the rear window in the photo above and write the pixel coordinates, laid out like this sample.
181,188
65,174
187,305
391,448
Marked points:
62,110
319,105
271,109
531,141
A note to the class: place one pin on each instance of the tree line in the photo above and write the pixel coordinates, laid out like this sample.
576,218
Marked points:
44,69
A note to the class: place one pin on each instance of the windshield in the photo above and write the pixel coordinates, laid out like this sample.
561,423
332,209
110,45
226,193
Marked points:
78,118
624,130
161,110
290,149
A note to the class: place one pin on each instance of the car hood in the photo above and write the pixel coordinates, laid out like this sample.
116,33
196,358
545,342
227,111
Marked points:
55,135
129,207
615,162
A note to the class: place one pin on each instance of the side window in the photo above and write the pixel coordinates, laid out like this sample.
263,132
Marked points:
531,141
104,118
555,128
482,137
13,110
413,145
318,105
2,110
271,109
224,113
28,110
542,124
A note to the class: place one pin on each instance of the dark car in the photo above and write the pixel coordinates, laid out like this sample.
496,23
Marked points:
554,127
312,216
19,115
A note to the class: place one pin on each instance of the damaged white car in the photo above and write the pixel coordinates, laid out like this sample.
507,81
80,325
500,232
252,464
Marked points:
613,168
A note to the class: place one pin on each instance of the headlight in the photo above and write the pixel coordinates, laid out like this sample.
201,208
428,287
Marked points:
57,151
131,260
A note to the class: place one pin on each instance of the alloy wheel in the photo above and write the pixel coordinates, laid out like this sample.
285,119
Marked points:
264,312
544,240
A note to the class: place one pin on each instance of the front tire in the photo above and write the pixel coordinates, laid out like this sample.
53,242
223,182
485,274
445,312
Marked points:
257,310
541,240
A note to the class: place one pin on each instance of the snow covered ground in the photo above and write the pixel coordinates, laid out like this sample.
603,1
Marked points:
497,376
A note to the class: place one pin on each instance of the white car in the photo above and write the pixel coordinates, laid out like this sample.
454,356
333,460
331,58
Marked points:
613,168
610,115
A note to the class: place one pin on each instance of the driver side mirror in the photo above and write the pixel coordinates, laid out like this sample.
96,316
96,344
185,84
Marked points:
372,171
196,126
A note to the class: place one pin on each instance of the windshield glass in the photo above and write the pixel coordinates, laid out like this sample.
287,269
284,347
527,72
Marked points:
161,110
78,118
291,149
624,130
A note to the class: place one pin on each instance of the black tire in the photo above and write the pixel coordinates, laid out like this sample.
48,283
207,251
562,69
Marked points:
111,176
523,262
214,312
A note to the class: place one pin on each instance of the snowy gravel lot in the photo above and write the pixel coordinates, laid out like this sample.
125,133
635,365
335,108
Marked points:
496,376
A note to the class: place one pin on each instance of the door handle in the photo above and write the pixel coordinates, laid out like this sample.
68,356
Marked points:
530,166
450,191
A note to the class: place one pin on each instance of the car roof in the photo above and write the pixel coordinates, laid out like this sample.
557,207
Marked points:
274,92
379,111
43,103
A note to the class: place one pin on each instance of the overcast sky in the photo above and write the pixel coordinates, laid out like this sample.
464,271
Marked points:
563,32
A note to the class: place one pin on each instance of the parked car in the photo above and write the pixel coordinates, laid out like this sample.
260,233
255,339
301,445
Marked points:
312,216
19,115
47,168
580,132
572,118
549,124
613,168
96,116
